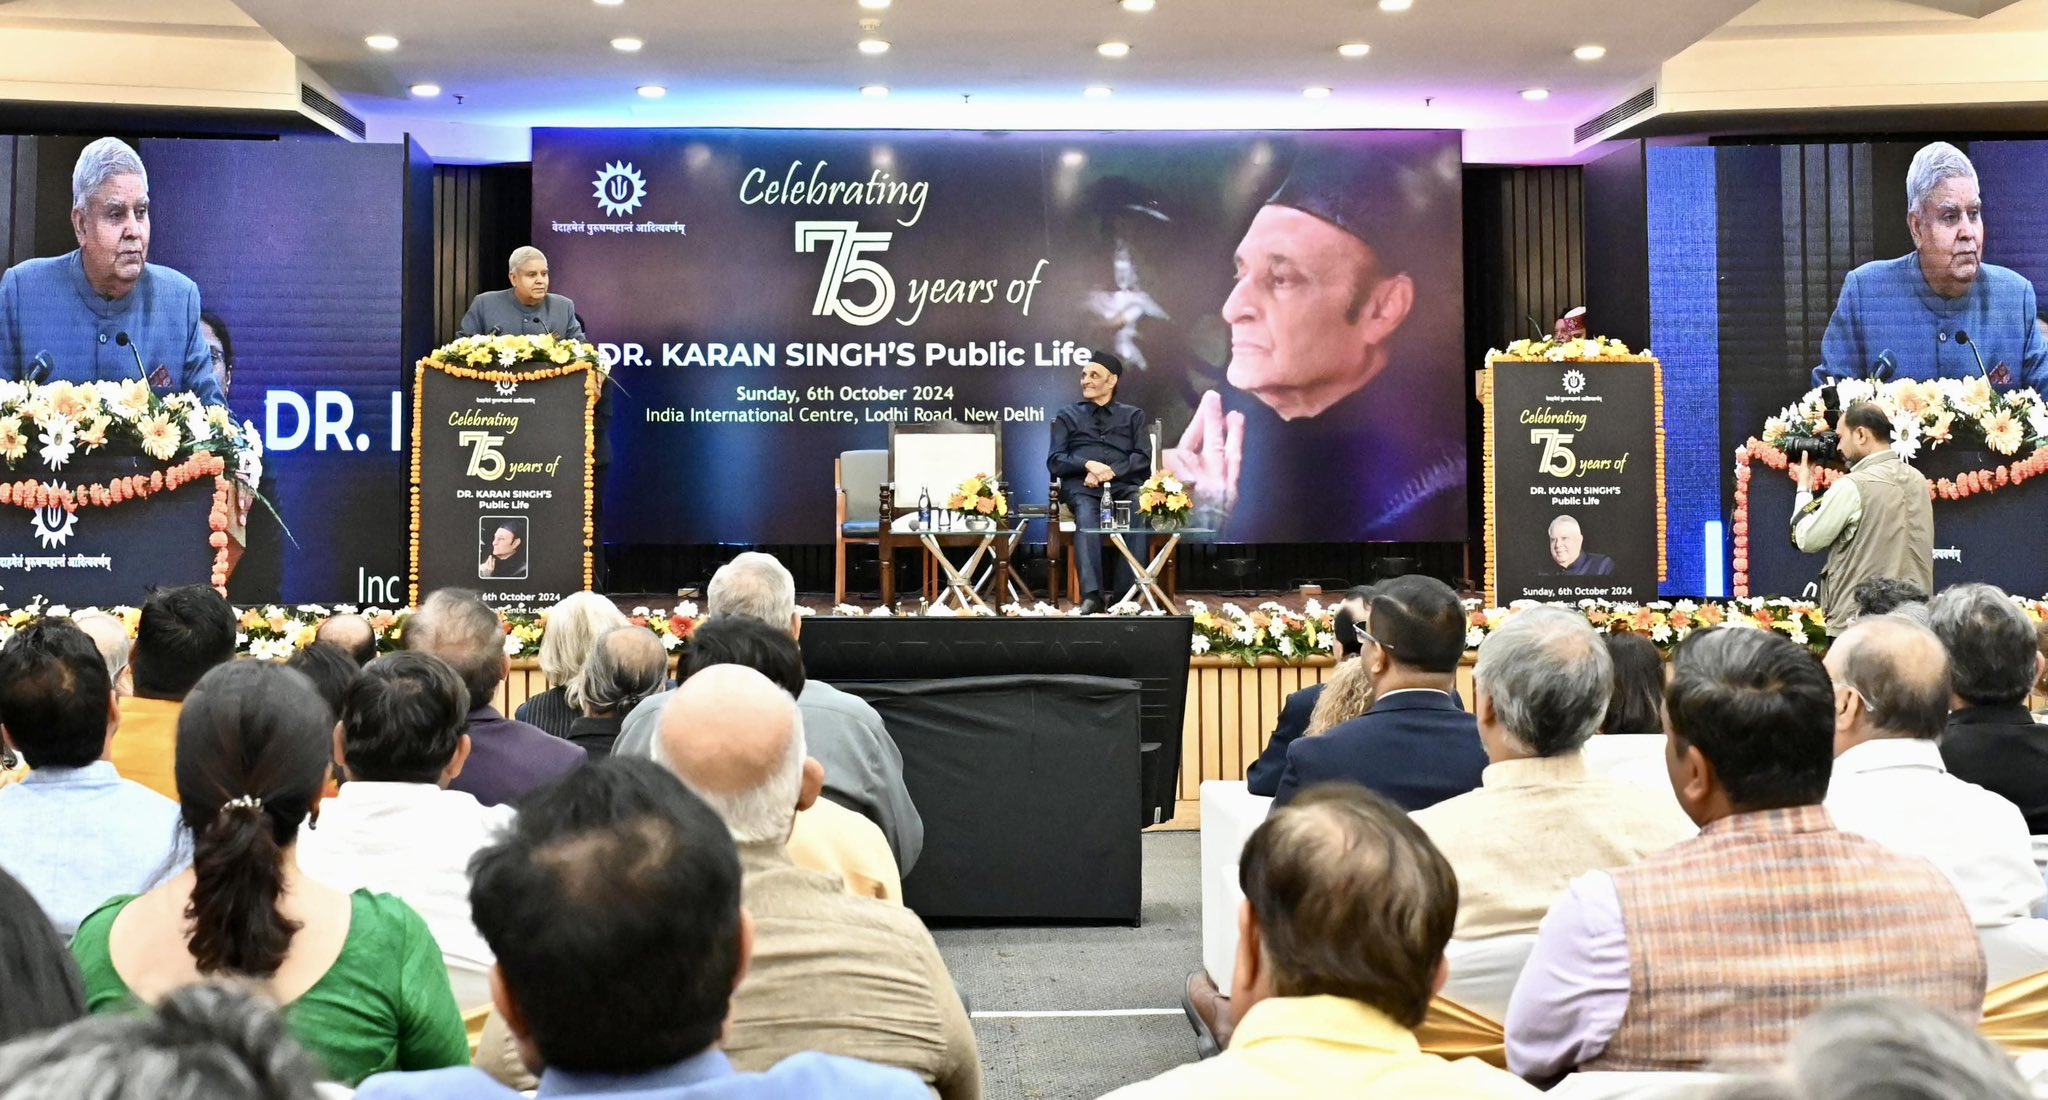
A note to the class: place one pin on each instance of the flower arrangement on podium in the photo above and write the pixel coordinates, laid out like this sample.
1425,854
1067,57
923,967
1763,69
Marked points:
479,356
981,501
1165,502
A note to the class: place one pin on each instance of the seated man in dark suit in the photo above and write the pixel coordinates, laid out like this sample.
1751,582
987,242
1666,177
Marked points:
1992,740
1415,746
1263,777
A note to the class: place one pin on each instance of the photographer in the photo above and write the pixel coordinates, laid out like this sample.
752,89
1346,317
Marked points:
1876,522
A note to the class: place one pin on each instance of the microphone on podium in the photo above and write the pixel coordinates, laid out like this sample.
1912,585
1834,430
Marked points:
1963,338
141,372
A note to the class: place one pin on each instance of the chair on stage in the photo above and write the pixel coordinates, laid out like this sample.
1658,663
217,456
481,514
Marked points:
932,456
857,478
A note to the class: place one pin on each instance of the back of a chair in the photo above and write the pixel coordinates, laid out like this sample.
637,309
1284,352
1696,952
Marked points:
2013,951
861,474
1230,812
938,455
1483,972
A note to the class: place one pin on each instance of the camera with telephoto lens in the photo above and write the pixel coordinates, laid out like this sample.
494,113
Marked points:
1823,446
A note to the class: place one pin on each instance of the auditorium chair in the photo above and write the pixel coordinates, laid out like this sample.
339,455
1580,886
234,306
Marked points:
1230,812
857,478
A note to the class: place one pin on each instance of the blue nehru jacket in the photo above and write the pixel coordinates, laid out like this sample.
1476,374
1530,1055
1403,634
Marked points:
47,308
1887,306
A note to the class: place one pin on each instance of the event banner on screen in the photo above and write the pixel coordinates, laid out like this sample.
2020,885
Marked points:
1287,306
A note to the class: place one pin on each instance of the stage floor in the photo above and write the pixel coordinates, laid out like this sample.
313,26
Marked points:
821,602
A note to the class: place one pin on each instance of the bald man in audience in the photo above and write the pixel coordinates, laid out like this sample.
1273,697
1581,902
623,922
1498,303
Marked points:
831,972
1891,680
352,633
110,636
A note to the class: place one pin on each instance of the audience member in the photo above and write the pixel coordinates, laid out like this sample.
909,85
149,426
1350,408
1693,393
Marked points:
1346,695
1636,707
183,633
827,837
626,665
1539,818
1416,745
573,627
204,1042
863,768
1263,777
330,669
617,879
1891,681
831,972
1347,908
395,827
507,757
73,830
1884,1048
42,989
110,634
1711,952
352,633
1992,739
359,973
1885,595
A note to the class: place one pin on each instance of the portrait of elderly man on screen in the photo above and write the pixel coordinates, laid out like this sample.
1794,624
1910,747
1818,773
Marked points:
1568,552
1940,311
103,312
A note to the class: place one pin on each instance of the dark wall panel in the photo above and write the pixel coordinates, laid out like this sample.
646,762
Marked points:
481,214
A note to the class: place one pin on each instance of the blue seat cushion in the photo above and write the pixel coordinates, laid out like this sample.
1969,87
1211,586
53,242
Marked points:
862,528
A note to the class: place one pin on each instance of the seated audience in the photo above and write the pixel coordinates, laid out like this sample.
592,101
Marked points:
1891,680
863,768
111,635
183,633
203,1042
1884,1048
352,633
573,627
1708,954
1263,777
1539,818
626,665
617,879
1635,708
395,827
1992,740
1886,596
507,757
1347,908
1416,745
827,837
42,989
331,670
73,830
831,972
359,974
1346,695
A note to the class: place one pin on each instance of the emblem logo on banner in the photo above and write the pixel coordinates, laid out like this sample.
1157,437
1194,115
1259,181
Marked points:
507,389
1574,381
620,189
53,524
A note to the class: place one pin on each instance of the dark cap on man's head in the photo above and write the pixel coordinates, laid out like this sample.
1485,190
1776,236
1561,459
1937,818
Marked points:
1361,192
1107,362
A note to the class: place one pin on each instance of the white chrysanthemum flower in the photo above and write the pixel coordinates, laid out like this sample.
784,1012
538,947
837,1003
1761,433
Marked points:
1474,636
512,645
59,442
1200,645
671,643
880,613
687,609
1286,646
1660,633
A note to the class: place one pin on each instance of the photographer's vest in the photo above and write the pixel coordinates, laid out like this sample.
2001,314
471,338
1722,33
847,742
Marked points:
1894,537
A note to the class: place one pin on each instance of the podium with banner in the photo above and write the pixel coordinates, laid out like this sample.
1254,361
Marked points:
1574,473
502,471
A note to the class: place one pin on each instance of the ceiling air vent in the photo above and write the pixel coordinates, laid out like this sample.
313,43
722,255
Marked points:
332,111
1616,115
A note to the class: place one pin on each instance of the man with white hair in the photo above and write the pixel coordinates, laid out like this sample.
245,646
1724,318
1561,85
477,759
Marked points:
103,312
863,767
1568,550
1933,313
830,972
527,309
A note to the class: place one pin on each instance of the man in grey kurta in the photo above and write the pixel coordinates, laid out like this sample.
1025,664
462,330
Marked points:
527,309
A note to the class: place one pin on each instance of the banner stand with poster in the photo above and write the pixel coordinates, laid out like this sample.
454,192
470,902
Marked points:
501,471
1573,473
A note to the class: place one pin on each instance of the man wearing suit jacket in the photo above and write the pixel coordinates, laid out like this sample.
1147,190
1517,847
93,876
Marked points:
1415,746
1263,777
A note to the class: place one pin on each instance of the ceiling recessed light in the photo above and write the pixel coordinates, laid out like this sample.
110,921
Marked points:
1396,5
1535,95
381,42
1317,91
652,91
1590,53
1073,158
1097,91
426,91
608,3
874,5
627,44
1353,49
875,91
1114,49
1138,5
873,47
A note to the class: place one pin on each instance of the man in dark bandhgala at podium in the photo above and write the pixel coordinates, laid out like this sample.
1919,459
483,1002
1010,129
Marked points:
527,309
1099,446
1934,313
103,312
